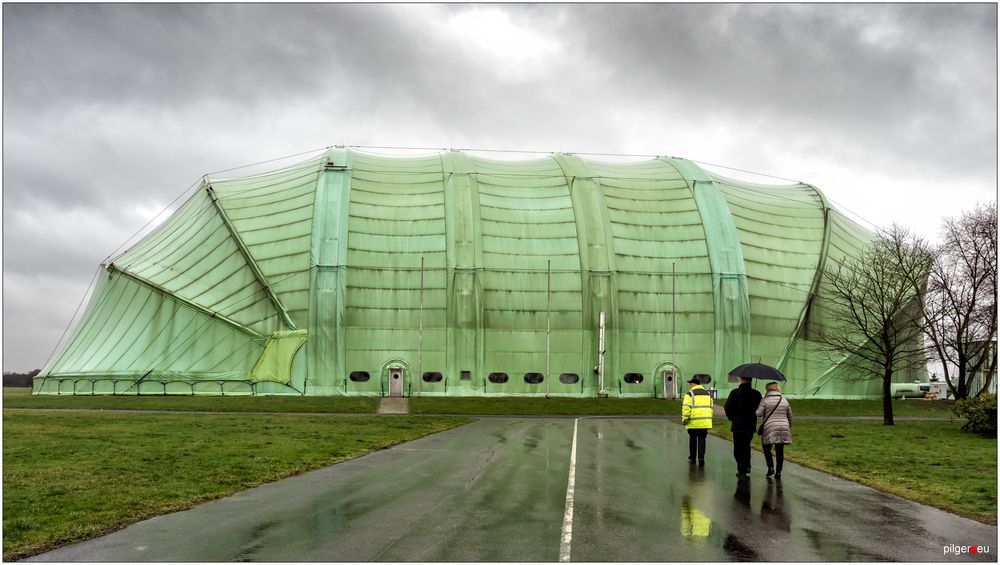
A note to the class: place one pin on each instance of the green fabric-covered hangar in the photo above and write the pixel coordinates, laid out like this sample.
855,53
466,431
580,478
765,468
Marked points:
449,274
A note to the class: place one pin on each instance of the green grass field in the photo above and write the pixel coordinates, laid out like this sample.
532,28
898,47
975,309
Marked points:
928,461
69,476
923,408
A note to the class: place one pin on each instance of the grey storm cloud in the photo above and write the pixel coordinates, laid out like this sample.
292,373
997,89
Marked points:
883,75
820,64
170,56
179,55
111,110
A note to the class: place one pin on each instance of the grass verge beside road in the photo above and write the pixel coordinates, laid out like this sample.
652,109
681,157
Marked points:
20,398
14,398
930,462
853,408
64,481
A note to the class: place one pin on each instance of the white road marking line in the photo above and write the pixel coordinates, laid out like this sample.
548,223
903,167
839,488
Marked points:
567,529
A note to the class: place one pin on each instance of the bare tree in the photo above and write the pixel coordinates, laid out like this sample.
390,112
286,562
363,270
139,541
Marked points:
875,310
961,302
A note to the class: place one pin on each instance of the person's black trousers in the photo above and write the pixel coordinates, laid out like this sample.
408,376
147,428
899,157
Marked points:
779,450
697,444
741,451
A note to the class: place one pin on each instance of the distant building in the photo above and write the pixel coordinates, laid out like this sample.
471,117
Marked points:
987,349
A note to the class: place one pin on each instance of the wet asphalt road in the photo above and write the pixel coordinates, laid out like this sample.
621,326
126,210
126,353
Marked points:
496,490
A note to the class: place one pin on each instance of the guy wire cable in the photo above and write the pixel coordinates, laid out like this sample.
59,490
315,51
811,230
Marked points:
201,179
174,201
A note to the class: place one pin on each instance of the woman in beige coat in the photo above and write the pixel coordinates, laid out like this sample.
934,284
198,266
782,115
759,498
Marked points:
777,427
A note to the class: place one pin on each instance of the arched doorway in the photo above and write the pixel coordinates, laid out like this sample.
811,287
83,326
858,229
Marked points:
667,377
395,373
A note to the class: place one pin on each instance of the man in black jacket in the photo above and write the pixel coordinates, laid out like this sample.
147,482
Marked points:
741,409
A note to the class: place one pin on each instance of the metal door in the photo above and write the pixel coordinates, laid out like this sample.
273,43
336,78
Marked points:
396,382
669,385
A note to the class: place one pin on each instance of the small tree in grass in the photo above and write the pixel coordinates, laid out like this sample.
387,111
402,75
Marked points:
875,310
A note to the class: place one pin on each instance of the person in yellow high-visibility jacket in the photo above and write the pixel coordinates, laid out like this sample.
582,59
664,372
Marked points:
696,415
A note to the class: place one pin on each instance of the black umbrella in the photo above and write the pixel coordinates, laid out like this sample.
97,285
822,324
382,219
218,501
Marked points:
757,371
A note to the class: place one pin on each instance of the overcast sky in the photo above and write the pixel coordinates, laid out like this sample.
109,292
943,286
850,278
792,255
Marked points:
112,111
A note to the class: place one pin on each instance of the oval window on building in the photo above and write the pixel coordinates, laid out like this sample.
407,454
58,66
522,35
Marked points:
633,378
569,378
360,376
433,377
533,378
498,378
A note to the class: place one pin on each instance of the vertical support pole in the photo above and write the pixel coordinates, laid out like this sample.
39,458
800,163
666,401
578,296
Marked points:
600,358
548,329
420,357
673,314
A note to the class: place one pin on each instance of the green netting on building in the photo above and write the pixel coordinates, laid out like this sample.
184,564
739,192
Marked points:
466,276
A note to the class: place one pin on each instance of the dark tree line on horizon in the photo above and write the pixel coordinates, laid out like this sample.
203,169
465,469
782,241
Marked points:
12,379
